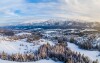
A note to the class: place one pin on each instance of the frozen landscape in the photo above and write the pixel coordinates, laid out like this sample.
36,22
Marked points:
21,46
91,54
49,31
27,42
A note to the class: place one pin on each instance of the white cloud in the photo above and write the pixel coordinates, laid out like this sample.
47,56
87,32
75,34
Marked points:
83,8
75,9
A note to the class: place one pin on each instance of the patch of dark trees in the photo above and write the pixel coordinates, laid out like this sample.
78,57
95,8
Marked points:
6,32
87,45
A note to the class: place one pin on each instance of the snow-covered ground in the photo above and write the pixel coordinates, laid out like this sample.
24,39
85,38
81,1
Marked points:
24,33
89,30
21,46
49,31
91,54
40,61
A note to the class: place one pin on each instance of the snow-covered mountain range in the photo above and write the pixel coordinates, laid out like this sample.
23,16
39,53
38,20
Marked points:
58,23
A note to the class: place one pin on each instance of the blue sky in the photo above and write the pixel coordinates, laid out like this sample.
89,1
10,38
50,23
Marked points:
15,11
41,1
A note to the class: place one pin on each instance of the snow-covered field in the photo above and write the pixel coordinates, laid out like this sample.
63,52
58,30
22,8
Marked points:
49,31
40,61
21,46
91,54
24,33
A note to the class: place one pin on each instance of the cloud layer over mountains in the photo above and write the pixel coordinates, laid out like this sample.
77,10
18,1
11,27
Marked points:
28,10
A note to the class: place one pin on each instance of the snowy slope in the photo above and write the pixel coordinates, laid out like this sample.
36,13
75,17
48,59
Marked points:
40,61
21,46
91,54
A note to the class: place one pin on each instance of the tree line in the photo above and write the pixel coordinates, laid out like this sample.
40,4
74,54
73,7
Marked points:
59,52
